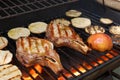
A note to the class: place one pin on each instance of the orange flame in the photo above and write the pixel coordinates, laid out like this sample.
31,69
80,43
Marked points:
33,72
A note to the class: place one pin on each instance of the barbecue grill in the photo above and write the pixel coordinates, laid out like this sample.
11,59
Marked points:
15,13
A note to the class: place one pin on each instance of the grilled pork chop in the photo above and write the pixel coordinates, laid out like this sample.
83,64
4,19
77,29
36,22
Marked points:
32,50
62,35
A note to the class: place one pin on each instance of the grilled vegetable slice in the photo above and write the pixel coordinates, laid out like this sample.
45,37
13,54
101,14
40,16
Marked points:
10,72
114,29
5,57
106,21
3,42
94,29
81,22
73,13
37,27
18,32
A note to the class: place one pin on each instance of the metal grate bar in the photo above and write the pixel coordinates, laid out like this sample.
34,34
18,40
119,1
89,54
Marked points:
23,1
59,1
2,5
64,76
10,11
98,57
9,7
32,6
45,3
3,13
16,2
18,9
39,4
31,1
68,70
75,61
41,78
51,2
9,3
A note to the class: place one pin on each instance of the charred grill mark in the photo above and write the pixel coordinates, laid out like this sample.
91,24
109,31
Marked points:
59,30
29,42
62,31
12,70
5,68
22,43
36,46
66,32
38,43
73,33
89,29
5,57
2,40
95,29
43,45
54,30
101,29
14,76
51,30
33,46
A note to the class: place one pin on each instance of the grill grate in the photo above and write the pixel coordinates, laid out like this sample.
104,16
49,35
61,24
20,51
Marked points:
10,8
75,64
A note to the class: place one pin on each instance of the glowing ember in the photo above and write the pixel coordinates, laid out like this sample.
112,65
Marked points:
38,68
82,69
75,72
94,63
27,78
99,61
33,72
67,74
104,58
109,55
61,78
87,65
